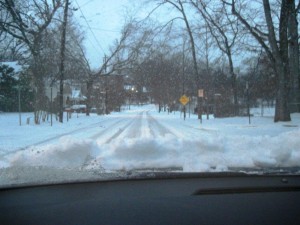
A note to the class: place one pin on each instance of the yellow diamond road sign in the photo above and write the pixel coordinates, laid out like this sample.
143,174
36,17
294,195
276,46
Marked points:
184,99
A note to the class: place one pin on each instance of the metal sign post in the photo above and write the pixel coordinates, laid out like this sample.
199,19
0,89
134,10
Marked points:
248,103
19,96
200,103
184,100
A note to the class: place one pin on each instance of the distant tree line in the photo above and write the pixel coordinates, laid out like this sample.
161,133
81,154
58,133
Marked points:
221,47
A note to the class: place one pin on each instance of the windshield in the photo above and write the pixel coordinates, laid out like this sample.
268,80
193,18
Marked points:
99,89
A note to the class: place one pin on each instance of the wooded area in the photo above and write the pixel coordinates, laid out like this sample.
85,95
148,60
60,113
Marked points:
239,52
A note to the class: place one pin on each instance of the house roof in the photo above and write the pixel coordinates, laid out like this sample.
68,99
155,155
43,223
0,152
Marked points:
76,95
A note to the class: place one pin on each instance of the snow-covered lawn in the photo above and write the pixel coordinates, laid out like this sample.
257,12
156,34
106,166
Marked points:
142,138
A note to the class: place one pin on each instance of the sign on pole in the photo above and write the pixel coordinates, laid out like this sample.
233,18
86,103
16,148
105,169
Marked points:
201,93
184,99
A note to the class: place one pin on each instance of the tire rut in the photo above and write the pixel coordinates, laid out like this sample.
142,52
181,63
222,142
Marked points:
91,126
135,121
105,130
154,125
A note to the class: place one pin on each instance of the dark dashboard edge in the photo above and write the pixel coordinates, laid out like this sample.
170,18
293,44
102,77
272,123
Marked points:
148,176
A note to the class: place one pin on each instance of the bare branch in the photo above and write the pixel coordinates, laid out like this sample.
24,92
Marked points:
251,29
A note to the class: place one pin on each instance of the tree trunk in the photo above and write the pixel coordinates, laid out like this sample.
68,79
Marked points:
233,83
282,112
180,8
62,59
277,53
281,61
89,86
195,64
294,97
40,96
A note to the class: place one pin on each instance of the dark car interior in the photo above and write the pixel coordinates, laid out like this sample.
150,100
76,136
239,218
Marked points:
218,198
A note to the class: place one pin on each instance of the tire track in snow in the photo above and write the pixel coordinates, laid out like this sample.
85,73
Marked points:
91,126
99,134
177,131
207,130
157,128
135,129
131,127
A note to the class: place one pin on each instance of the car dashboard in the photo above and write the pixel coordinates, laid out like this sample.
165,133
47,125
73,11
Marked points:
217,198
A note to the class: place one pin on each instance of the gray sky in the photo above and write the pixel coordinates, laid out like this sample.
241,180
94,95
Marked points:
101,20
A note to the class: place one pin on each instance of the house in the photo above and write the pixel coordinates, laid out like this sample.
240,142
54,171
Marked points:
72,95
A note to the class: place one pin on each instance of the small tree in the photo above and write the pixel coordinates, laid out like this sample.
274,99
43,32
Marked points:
8,89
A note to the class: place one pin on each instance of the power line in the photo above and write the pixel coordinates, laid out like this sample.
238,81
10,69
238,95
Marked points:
88,2
106,30
88,38
89,27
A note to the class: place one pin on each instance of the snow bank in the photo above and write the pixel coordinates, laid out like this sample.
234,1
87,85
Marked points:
187,154
68,153
199,155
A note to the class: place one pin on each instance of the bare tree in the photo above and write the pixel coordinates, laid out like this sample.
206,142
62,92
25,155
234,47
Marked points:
294,55
225,30
118,59
275,45
62,62
27,22
179,6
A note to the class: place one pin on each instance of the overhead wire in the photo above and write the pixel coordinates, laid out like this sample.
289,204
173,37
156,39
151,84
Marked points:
106,30
86,3
89,27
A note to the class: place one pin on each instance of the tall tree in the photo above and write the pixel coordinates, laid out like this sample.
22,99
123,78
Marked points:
275,45
225,30
62,62
294,55
179,6
27,21
118,59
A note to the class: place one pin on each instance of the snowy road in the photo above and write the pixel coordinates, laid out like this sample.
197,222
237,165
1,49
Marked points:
142,138
134,125
131,126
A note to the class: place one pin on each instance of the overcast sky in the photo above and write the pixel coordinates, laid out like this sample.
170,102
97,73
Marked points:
101,20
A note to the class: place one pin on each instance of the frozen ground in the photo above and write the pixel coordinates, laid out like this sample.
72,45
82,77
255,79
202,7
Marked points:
143,139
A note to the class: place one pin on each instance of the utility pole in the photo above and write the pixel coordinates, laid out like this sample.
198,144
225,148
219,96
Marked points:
62,60
106,88
51,104
183,76
19,99
248,102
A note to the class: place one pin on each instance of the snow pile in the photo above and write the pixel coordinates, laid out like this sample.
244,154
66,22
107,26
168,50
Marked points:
13,137
69,153
189,154
283,150
193,155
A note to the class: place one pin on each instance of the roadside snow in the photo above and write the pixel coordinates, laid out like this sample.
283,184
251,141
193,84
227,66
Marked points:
142,138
